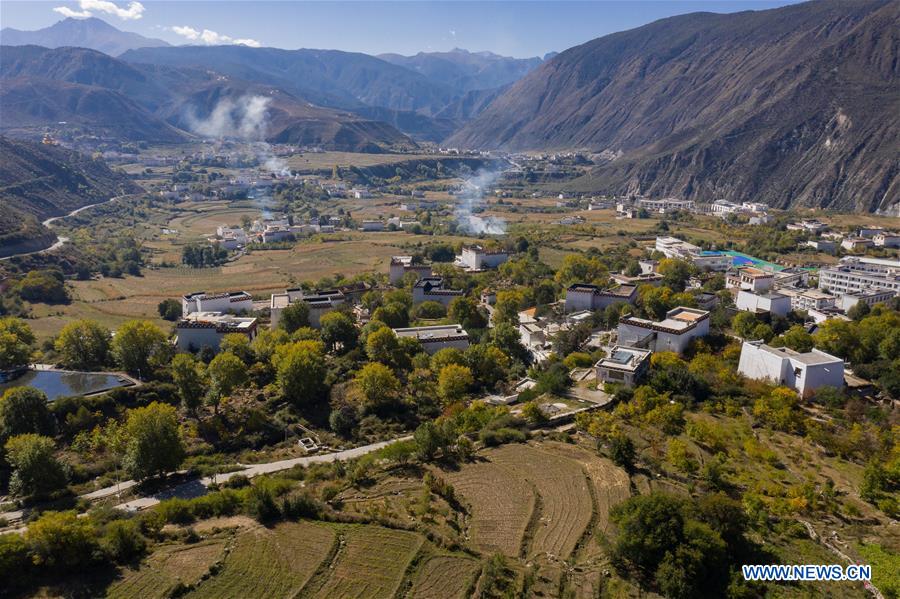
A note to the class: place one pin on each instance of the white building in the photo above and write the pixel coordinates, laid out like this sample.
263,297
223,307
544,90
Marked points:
810,226
857,244
867,296
750,279
476,257
400,265
582,296
229,301
206,329
887,240
431,289
230,237
808,299
436,338
856,274
803,372
672,247
771,302
624,365
319,303
666,205
673,333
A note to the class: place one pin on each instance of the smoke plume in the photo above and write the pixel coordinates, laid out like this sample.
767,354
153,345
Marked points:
471,197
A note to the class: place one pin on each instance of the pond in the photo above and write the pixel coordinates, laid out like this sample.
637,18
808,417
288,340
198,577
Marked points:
61,383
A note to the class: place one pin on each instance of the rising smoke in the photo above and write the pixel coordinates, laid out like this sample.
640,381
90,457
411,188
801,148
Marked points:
244,119
471,197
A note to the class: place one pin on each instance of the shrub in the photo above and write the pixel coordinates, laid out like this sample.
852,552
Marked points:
122,540
61,541
301,505
14,560
175,511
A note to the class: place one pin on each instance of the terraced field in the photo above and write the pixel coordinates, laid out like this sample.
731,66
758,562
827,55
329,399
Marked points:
167,568
275,562
444,577
371,563
501,504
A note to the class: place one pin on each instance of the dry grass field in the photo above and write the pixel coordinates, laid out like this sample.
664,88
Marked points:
444,577
168,567
275,562
371,563
317,161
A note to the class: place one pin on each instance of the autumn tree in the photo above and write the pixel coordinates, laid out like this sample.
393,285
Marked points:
378,383
35,469
226,373
154,445
338,332
24,410
294,316
139,346
84,345
453,382
300,371
16,340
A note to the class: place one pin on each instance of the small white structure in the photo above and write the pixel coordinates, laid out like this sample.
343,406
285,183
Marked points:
651,278
436,338
803,372
673,333
476,258
431,289
771,302
582,296
887,240
750,279
230,237
624,365
400,265
206,329
229,301
857,244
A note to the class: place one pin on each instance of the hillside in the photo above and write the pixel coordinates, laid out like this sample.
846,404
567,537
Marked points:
110,97
92,33
466,71
793,106
39,181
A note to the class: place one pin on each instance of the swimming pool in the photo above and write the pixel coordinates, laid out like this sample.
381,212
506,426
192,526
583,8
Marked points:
63,383
741,259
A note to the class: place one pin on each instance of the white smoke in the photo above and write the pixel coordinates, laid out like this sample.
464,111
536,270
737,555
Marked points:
244,119
472,196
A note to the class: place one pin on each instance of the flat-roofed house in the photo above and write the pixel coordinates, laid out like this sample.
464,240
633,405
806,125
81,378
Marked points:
583,296
319,303
624,365
400,265
768,301
808,299
436,338
206,329
804,372
476,257
750,279
870,297
673,333
227,302
431,289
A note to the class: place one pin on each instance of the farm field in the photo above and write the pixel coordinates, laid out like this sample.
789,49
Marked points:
316,161
371,562
444,577
167,568
266,562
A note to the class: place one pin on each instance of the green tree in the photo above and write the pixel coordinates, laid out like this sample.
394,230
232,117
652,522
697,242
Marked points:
622,452
464,311
35,469
169,309
239,345
139,346
453,382
300,371
84,345
577,268
507,307
226,373
744,324
445,356
24,410
382,345
430,440
430,310
189,376
338,332
795,338
15,563
393,314
154,445
488,364
378,384
16,340
62,541
675,273
294,316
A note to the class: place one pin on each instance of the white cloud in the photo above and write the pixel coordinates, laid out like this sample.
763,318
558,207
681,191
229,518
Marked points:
68,12
134,11
211,38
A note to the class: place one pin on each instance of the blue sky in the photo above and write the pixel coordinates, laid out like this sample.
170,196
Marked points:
510,28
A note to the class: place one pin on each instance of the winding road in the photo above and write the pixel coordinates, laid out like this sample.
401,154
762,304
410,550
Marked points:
60,240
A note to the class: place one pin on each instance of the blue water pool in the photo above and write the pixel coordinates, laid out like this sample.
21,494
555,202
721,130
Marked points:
59,383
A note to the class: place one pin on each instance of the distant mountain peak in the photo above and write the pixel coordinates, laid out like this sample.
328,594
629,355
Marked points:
90,32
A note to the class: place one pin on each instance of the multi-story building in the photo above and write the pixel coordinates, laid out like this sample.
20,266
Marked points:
750,279
233,302
319,303
673,333
651,278
436,338
431,289
476,257
857,244
582,296
807,299
206,329
855,274
869,297
672,247
666,205
400,265
624,366
803,372
767,301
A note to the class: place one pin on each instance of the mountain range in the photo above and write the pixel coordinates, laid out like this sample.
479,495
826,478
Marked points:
791,106
92,33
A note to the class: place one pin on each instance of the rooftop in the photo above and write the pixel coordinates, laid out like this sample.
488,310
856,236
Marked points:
433,333
809,358
624,358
